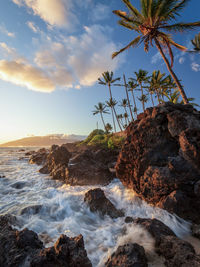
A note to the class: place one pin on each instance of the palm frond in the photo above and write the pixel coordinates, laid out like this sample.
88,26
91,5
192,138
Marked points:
181,27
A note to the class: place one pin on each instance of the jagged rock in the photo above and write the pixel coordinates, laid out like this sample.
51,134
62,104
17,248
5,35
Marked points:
160,159
98,202
19,185
128,255
39,157
90,168
23,248
128,219
67,252
176,252
29,153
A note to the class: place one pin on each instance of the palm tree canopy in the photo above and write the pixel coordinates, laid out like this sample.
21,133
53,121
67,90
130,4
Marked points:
100,108
132,85
107,78
124,103
196,43
154,22
111,103
141,76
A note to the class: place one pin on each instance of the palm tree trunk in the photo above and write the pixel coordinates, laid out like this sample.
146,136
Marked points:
182,92
127,114
143,106
158,96
152,99
135,107
117,119
127,96
103,121
113,119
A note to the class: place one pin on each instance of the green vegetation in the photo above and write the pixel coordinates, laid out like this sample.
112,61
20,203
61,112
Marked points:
99,138
196,43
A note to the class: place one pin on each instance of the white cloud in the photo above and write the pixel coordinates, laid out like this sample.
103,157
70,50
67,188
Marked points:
195,66
32,26
54,12
25,75
181,60
100,12
5,31
156,58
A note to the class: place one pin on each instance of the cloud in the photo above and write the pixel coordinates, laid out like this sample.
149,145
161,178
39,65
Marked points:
25,75
5,31
195,66
32,26
54,12
181,60
100,12
156,58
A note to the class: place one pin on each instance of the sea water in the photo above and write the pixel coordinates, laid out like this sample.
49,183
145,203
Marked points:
51,208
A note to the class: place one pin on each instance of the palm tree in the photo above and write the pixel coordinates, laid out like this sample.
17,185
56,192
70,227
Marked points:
141,77
126,120
100,108
107,79
120,118
108,128
196,43
151,24
143,99
111,104
132,87
127,96
124,104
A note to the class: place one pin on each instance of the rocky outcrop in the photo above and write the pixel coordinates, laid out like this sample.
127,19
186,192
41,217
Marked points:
196,230
128,255
160,159
176,252
67,252
38,157
23,248
98,202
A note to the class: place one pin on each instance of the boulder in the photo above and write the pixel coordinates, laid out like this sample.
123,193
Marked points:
98,202
128,255
160,159
90,168
39,157
196,230
176,252
67,252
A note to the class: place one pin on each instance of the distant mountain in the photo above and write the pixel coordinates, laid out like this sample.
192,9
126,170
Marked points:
49,140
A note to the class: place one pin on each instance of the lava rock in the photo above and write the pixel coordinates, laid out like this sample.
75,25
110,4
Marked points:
128,219
67,252
160,159
128,255
196,230
98,202
39,157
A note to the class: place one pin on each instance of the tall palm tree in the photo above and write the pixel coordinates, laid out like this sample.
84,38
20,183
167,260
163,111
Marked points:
100,108
111,104
127,96
143,99
152,24
108,128
196,43
107,79
141,78
132,87
124,104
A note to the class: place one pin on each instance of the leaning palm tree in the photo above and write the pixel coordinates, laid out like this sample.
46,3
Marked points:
132,87
100,108
141,78
196,43
111,104
152,24
124,104
107,79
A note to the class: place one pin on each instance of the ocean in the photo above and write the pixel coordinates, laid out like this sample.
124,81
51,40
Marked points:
51,208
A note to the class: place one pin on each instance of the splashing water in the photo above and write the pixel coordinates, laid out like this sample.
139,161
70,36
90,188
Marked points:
51,208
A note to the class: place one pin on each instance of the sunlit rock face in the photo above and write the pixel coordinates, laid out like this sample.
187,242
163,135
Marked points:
160,159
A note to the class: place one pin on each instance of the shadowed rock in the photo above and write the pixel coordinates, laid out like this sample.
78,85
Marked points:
128,255
39,157
98,202
160,159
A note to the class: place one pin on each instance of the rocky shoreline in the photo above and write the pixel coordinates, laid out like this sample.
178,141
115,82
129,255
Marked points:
160,161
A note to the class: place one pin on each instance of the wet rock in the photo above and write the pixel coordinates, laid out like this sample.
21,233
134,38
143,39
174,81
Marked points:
128,219
98,202
128,255
160,159
2,176
196,230
29,153
67,252
56,162
176,252
27,238
19,185
39,157
90,168
31,209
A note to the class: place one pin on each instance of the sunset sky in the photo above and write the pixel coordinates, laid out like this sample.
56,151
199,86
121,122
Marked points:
53,51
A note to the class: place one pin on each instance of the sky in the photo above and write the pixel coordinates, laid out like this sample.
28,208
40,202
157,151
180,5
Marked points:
52,53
